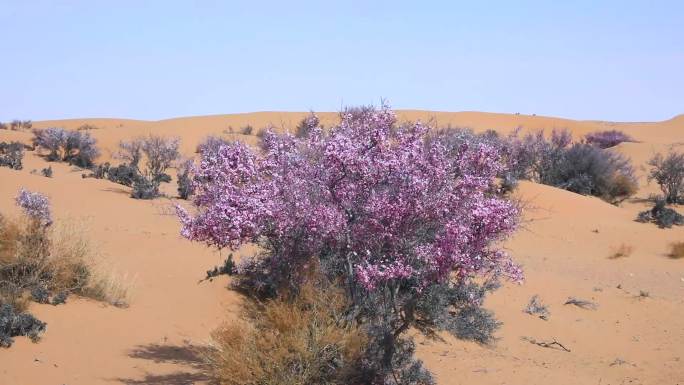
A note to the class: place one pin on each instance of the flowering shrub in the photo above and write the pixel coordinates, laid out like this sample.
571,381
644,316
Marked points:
35,205
386,211
607,139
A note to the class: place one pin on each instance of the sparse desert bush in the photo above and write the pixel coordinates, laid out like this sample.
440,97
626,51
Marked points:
184,180
309,122
75,147
15,125
158,153
537,308
15,323
122,174
579,167
668,172
677,250
387,213
247,130
211,144
86,127
3,126
661,215
46,172
607,139
11,155
622,251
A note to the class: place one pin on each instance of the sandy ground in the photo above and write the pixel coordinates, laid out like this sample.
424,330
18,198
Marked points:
564,246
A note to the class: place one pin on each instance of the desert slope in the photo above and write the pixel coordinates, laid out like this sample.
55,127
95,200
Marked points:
564,248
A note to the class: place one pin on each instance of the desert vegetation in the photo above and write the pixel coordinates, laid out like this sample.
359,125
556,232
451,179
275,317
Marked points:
383,211
668,172
607,139
43,262
11,155
74,147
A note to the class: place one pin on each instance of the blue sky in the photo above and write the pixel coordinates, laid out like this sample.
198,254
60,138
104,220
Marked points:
613,60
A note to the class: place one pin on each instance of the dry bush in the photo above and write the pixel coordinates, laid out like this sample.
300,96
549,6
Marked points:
677,250
624,250
294,341
58,260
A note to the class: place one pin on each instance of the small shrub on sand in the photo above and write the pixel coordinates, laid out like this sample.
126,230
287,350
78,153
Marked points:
247,130
185,188
11,155
622,251
665,217
677,250
158,153
607,139
74,147
668,172
537,308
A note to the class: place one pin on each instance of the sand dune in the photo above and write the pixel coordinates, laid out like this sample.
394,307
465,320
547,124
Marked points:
564,246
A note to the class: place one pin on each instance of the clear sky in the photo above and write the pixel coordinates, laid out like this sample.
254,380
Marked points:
613,60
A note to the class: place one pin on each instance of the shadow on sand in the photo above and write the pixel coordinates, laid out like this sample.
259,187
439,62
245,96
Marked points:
188,356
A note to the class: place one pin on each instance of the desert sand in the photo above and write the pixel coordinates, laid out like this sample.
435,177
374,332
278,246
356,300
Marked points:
564,247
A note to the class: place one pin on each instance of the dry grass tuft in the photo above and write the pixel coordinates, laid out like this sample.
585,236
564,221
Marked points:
677,250
288,342
622,251
58,259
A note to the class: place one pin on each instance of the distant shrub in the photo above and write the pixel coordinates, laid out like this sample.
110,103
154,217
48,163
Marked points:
3,126
11,155
158,153
589,170
185,187
607,139
677,250
211,144
27,124
247,130
123,174
661,215
622,251
46,172
579,167
144,188
75,147
86,127
15,125
668,172
304,127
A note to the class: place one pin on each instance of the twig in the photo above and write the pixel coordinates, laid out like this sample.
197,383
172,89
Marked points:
549,345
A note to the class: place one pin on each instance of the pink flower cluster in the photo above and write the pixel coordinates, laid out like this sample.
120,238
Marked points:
373,195
35,205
